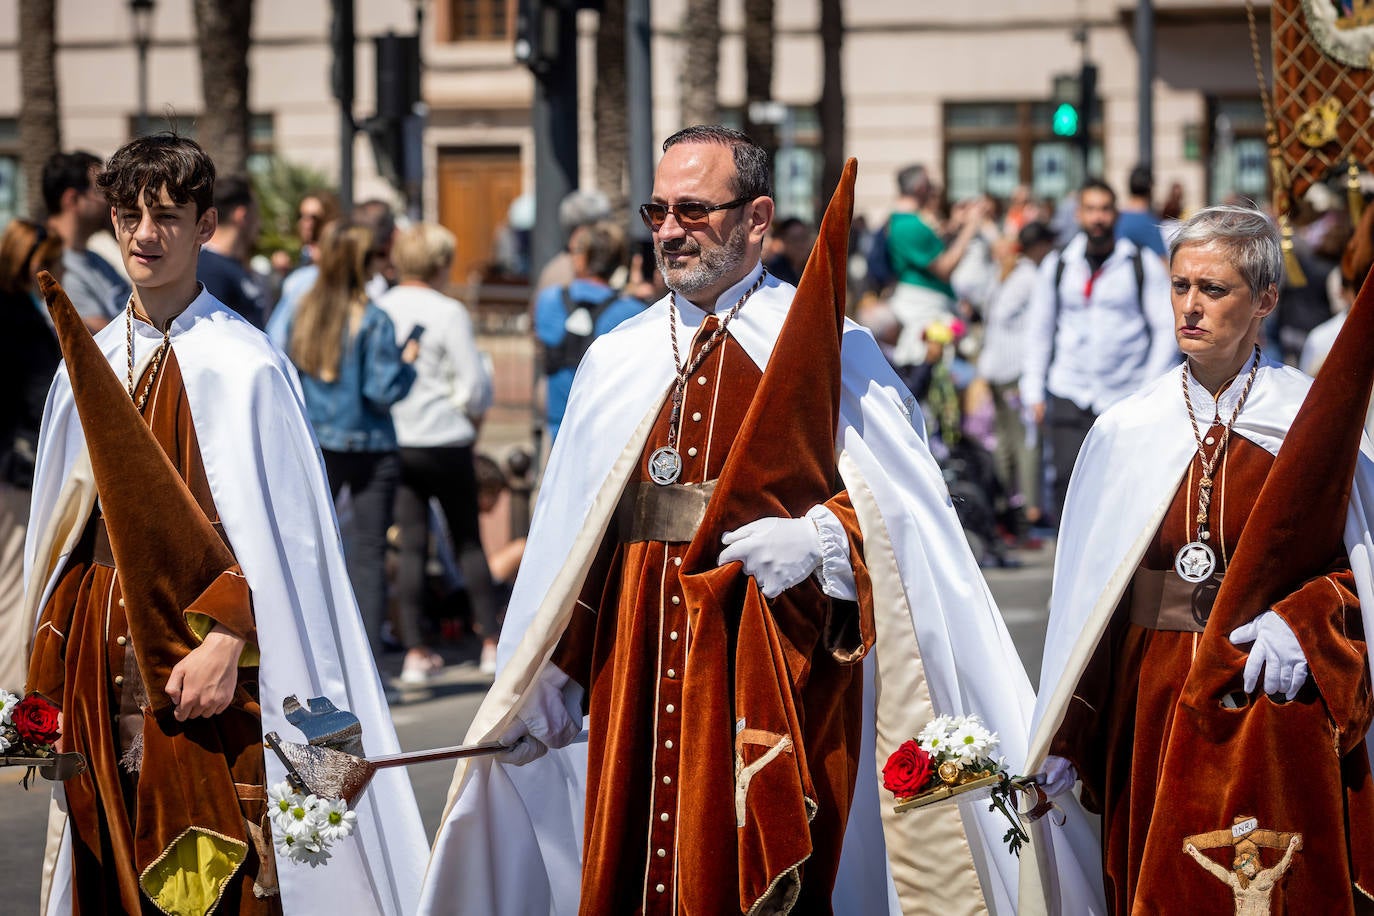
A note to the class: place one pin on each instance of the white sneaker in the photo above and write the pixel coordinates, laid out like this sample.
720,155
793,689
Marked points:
488,664
414,671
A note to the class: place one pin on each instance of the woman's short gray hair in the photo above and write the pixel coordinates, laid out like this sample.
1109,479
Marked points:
1249,236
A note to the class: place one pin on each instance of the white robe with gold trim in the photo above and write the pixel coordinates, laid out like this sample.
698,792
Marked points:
1127,475
269,486
511,838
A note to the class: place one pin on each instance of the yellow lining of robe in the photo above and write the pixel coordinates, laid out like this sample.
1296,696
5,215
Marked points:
192,873
202,624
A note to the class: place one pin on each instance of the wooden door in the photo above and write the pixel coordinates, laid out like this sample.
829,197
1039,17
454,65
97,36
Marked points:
476,187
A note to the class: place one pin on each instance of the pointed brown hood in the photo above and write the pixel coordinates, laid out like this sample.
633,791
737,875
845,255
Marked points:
745,649
1298,521
783,460
167,552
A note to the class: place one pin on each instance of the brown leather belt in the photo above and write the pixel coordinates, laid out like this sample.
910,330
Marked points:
672,514
1161,600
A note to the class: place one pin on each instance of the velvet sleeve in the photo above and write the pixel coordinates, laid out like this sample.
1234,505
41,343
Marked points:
1325,616
48,659
848,633
575,648
229,603
1082,736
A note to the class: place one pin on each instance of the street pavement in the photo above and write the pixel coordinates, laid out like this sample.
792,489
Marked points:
438,714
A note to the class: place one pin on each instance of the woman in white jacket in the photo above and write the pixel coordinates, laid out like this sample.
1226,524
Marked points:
436,425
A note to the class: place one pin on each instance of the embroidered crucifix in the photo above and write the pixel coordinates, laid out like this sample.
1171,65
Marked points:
1252,885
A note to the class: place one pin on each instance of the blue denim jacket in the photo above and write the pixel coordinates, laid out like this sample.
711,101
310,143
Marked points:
353,413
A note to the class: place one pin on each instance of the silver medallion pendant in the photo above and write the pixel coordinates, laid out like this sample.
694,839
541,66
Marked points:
665,466
1195,562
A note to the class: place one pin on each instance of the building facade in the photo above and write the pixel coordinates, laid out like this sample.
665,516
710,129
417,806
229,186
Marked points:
968,90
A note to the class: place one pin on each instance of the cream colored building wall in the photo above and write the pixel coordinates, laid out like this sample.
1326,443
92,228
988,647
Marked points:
289,73
903,60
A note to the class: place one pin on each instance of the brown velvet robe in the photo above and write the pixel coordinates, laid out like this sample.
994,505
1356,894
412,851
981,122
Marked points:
1119,723
90,656
659,838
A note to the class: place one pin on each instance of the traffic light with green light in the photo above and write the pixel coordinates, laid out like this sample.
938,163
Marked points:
1066,120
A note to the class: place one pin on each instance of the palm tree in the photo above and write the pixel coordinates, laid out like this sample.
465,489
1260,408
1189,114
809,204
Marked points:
279,188
223,34
40,128
700,62
758,68
609,103
832,96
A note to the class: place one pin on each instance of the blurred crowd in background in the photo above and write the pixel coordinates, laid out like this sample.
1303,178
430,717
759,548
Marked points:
1013,323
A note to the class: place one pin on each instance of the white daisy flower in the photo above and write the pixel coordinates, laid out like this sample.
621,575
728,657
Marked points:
304,827
334,821
971,741
280,800
313,854
4,743
935,735
299,821
283,843
7,703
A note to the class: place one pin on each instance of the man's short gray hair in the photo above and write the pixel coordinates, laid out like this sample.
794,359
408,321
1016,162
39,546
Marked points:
753,172
911,179
1250,238
581,208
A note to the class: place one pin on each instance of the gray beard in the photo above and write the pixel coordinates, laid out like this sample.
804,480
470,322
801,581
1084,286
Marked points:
711,266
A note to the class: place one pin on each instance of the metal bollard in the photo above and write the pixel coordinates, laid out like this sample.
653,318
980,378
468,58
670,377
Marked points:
520,479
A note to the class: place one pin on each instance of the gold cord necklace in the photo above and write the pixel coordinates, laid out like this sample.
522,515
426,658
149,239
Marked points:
665,464
1196,561
142,398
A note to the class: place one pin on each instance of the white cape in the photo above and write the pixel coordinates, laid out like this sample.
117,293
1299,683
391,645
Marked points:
511,839
1128,471
269,486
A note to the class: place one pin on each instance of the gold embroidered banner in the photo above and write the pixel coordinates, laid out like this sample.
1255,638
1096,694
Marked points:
1323,51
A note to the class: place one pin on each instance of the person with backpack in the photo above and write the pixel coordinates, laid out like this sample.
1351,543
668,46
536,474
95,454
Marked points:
568,318
1099,326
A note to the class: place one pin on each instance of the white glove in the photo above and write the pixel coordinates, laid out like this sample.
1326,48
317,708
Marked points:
1277,651
1058,777
522,747
550,716
777,552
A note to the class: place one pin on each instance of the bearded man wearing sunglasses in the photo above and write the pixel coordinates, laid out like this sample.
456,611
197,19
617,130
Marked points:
739,528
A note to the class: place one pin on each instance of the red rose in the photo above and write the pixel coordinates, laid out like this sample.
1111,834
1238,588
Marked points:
907,770
36,720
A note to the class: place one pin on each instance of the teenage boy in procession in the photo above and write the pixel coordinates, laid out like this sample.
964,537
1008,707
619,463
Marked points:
185,574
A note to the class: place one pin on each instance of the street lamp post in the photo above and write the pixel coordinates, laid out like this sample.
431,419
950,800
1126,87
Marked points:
1145,105
415,123
142,11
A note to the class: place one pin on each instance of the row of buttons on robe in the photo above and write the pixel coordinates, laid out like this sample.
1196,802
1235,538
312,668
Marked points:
696,418
122,641
670,709
671,673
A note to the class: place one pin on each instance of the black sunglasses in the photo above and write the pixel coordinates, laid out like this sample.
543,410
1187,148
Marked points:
688,211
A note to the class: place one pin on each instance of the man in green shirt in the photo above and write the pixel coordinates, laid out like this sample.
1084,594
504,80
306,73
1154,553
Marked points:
922,261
